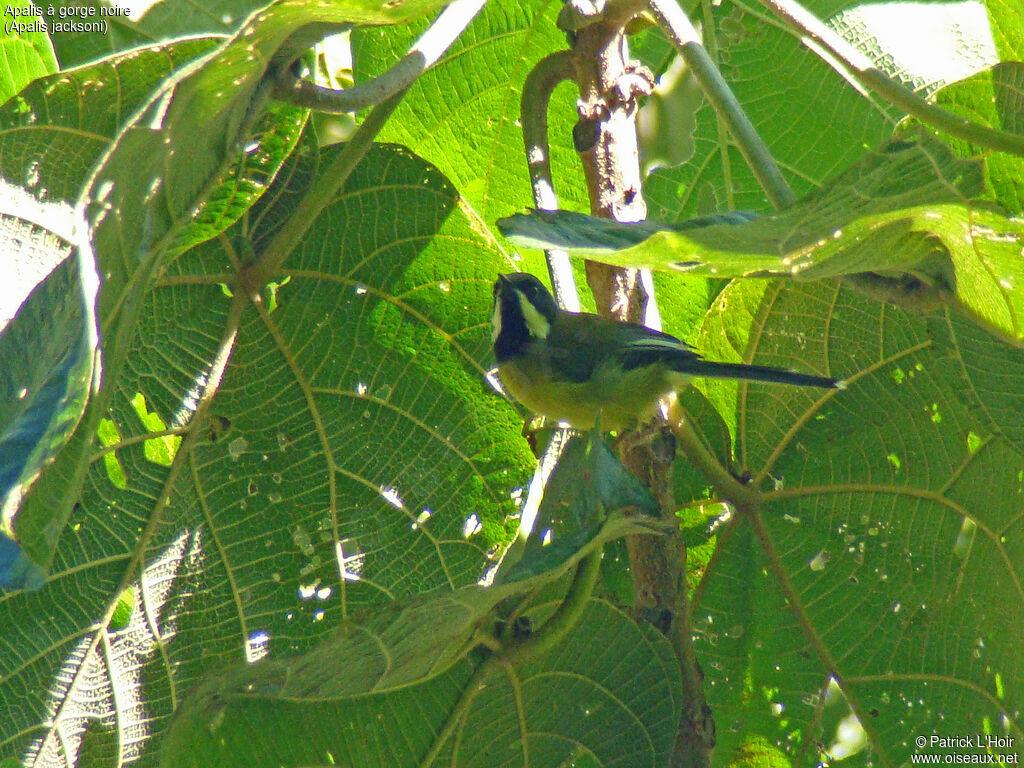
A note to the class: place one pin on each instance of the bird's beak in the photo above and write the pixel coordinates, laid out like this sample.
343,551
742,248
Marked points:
502,286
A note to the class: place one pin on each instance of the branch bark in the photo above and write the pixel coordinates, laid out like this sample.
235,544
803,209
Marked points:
606,139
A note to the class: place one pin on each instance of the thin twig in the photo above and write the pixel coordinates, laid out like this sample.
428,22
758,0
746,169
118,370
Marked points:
684,36
423,54
533,113
852,62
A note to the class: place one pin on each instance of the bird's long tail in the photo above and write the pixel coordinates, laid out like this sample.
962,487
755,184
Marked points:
763,373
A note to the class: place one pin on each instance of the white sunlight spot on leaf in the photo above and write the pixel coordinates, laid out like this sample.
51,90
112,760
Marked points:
721,519
256,647
350,565
819,561
390,495
471,525
924,58
850,738
104,671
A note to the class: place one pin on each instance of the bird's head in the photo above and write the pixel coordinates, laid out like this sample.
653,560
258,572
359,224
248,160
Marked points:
523,310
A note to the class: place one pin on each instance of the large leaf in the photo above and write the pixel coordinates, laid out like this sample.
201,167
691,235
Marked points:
886,552
616,683
825,234
901,216
51,143
53,132
352,455
50,366
178,150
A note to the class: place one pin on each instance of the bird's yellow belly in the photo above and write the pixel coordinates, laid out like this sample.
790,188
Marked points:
622,401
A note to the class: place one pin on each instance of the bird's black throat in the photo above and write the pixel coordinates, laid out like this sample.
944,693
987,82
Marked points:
514,334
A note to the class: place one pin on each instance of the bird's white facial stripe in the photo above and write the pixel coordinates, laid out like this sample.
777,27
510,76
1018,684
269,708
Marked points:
496,322
536,323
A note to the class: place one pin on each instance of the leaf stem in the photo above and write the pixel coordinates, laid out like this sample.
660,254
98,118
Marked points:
537,644
740,496
563,619
423,54
324,189
680,30
849,60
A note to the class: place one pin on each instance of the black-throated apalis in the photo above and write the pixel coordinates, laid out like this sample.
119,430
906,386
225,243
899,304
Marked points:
572,366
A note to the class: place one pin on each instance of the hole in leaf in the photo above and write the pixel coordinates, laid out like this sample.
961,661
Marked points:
108,436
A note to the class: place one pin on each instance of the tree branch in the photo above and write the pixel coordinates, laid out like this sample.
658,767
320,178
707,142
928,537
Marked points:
423,54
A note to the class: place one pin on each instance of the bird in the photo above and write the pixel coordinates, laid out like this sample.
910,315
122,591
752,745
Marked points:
583,369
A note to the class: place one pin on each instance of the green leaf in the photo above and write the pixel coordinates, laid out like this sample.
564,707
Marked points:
582,503
463,115
175,152
352,453
25,50
50,360
992,98
609,675
53,132
823,235
886,554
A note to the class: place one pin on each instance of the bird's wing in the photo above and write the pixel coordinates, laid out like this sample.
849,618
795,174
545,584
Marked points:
579,344
642,346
